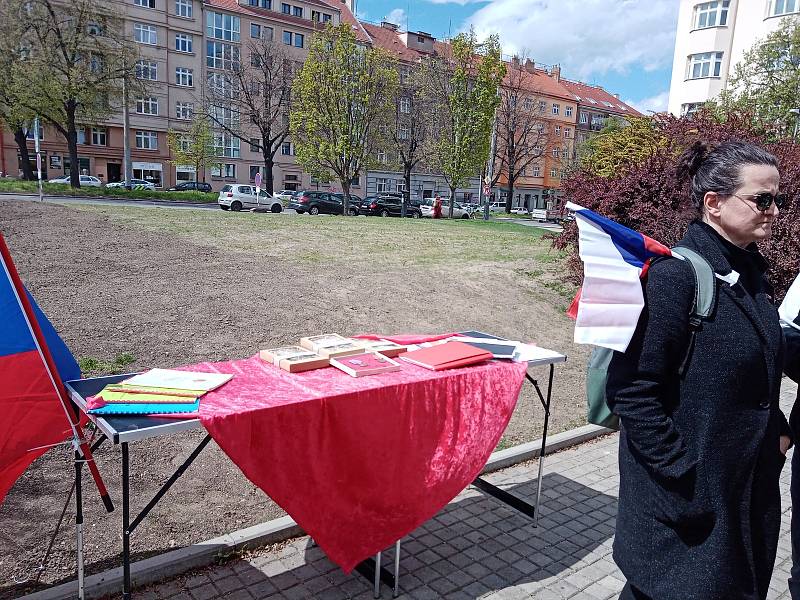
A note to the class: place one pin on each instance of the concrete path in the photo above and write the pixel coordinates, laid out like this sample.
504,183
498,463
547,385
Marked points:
475,547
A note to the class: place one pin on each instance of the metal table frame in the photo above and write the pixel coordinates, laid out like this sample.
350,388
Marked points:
125,429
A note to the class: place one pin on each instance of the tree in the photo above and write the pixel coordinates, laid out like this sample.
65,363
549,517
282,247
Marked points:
619,145
522,129
464,79
411,132
75,68
766,82
260,91
194,147
646,195
340,96
13,29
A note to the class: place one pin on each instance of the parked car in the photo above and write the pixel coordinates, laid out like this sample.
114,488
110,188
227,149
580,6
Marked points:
86,180
190,186
136,184
459,212
355,202
388,206
237,196
315,202
284,195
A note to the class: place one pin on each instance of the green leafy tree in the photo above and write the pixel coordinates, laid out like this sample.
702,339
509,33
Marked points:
766,82
340,96
74,68
464,79
621,144
194,147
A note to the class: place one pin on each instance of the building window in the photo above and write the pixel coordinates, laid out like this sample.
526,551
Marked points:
711,14
584,119
184,77
286,148
226,145
553,172
99,136
146,69
782,7
707,64
145,3
255,145
535,171
298,40
382,157
319,17
690,108
403,133
568,111
222,27
564,152
254,170
262,3
554,152
183,42
286,9
542,106
558,130
255,31
293,39
184,110
267,32
405,73
222,56
556,108
381,185
297,11
147,140
94,28
147,106
151,175
145,34
183,8
567,133
227,170
405,105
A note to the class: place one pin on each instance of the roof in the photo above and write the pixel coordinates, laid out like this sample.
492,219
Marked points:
389,39
539,82
265,13
347,16
596,97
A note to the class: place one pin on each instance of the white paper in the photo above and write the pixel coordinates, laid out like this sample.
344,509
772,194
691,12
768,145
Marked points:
529,352
790,307
182,380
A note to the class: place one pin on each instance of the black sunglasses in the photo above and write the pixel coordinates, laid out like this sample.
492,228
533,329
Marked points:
764,200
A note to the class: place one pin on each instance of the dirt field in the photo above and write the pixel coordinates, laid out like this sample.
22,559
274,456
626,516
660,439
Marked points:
170,287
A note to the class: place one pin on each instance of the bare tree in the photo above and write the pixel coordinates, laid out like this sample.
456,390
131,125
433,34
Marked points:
523,130
258,92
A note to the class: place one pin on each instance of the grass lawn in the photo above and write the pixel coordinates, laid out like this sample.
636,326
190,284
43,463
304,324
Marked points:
58,189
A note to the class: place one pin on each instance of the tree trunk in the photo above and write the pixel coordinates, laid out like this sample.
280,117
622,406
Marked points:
25,159
452,202
510,199
72,147
407,193
269,165
346,191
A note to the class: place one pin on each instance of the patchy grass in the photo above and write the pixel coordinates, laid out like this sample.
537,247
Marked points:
58,189
91,366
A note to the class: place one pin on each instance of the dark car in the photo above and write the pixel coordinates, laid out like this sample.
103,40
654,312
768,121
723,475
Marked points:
355,202
316,203
191,186
389,206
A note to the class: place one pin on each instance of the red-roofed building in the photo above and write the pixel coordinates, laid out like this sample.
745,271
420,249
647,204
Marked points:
595,106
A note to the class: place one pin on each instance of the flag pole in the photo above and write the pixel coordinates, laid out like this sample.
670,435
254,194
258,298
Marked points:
55,379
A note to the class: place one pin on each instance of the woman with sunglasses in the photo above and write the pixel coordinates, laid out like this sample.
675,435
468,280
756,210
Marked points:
702,438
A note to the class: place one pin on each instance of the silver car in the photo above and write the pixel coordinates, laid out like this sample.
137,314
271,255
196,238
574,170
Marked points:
238,196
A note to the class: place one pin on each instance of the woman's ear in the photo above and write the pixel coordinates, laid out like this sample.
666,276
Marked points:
712,202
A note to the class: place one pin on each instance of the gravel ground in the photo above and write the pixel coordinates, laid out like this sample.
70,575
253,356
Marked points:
174,287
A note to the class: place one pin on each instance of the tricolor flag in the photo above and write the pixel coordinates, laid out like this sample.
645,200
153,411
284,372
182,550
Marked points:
34,363
615,258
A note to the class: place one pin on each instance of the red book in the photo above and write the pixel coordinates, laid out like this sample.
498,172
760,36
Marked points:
447,356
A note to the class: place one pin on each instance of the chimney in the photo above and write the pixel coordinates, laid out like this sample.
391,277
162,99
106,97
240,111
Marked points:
388,25
555,72
515,62
616,96
530,66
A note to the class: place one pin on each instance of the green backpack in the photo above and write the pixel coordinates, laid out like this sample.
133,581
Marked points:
597,410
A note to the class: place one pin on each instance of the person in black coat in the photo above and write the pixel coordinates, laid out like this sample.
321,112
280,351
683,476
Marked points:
792,369
700,452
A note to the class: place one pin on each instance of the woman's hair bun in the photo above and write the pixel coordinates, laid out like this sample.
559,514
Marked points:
692,158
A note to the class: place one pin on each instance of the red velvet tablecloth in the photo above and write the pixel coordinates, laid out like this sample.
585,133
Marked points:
360,462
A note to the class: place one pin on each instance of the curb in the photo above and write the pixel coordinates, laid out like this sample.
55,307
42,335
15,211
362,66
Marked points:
172,564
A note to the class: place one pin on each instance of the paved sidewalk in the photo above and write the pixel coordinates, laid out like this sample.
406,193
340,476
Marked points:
475,547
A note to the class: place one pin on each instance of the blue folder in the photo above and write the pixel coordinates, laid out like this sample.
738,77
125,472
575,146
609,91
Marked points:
146,409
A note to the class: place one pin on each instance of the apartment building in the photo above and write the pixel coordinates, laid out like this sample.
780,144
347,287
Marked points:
595,107
182,45
712,37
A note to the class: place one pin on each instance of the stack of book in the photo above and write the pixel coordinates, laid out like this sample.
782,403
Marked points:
157,391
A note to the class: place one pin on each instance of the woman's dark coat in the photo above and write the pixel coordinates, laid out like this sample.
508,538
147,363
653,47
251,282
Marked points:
699,455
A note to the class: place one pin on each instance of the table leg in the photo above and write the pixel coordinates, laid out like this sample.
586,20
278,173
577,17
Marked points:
377,591
79,523
396,589
544,446
126,534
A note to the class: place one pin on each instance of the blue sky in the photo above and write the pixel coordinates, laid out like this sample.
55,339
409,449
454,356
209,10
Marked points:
624,45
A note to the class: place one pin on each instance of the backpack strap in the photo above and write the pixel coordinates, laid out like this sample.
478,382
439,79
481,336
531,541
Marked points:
705,296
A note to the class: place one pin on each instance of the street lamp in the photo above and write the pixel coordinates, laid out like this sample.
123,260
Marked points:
796,112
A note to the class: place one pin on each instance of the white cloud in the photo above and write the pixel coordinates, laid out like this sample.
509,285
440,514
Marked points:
397,16
653,104
586,37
